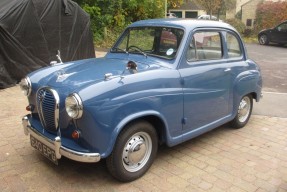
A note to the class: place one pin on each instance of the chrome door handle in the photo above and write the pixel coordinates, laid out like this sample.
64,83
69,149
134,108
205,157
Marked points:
226,70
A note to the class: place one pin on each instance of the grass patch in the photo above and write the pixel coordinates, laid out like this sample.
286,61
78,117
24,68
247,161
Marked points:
250,39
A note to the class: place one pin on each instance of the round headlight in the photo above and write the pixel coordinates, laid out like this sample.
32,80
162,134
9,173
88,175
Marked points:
74,106
26,86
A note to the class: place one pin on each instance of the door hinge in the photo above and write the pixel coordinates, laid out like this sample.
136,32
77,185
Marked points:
183,121
182,81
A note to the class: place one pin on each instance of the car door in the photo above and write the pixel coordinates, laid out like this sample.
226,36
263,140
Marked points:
207,77
279,33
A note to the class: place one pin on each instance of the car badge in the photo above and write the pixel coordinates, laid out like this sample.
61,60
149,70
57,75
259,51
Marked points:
62,76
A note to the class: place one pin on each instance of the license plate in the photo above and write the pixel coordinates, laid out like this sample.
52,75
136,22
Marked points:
44,149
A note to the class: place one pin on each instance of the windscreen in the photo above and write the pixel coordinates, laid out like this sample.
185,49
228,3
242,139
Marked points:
154,41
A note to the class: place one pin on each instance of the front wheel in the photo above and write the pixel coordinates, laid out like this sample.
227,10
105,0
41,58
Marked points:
243,112
134,151
263,39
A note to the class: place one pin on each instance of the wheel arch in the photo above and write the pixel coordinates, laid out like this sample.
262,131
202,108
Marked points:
152,117
246,84
262,33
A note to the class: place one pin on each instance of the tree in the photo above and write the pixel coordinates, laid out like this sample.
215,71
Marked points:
174,3
108,18
210,6
225,6
216,6
265,17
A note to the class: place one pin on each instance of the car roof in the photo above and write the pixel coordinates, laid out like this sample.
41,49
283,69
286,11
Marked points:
188,24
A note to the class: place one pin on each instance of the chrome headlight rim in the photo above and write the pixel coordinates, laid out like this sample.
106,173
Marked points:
75,109
26,86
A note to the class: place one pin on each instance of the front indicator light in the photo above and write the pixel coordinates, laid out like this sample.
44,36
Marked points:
76,134
30,108
74,106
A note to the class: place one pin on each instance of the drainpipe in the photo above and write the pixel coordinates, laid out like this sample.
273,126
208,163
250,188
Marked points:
165,8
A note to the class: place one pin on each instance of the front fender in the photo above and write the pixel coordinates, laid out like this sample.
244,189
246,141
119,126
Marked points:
110,105
129,119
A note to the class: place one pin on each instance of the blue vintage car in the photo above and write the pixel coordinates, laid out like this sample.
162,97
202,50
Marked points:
164,81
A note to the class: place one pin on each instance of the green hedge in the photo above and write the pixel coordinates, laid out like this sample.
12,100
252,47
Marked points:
109,18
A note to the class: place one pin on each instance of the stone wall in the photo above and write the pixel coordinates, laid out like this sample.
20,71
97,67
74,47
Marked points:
249,12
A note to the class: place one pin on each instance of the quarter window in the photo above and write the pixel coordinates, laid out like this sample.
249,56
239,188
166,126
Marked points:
233,46
282,27
205,46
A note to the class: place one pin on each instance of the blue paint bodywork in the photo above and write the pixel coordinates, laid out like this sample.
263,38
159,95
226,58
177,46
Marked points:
185,99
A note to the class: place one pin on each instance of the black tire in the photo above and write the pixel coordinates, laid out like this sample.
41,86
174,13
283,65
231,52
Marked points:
244,111
263,39
134,151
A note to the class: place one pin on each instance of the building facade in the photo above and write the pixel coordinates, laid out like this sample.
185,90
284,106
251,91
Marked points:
248,11
245,8
189,9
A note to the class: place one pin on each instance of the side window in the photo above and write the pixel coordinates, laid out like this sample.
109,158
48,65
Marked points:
282,27
205,46
169,42
233,46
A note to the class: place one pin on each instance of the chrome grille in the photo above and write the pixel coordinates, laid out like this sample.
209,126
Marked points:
48,108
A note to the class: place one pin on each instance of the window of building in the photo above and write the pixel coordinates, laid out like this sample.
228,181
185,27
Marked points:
249,22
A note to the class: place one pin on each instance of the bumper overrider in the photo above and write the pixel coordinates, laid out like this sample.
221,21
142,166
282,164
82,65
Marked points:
56,145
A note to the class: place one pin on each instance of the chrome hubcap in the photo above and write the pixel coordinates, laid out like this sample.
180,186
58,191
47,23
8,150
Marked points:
263,39
244,109
137,151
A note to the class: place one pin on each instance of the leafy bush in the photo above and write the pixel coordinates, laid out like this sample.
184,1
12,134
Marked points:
109,18
269,14
237,24
248,33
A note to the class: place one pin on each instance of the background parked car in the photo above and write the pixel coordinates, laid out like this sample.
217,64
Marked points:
277,34
171,15
207,17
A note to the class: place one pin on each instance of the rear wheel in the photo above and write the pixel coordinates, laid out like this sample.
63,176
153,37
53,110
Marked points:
134,151
263,39
243,112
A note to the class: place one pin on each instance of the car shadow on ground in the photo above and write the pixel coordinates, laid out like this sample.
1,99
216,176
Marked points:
69,171
276,45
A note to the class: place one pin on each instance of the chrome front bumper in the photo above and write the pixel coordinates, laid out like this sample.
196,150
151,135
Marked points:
56,145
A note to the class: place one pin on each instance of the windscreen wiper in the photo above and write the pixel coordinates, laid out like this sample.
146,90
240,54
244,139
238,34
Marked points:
119,49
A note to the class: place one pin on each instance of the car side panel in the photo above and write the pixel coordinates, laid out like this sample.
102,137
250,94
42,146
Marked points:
125,99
